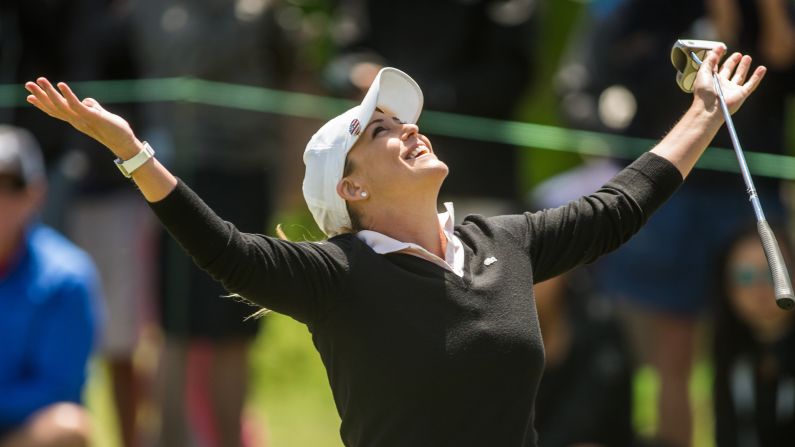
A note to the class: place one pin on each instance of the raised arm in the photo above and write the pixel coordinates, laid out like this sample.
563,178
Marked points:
594,225
685,143
89,117
296,279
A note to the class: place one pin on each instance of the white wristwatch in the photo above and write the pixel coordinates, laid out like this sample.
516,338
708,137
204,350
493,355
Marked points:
127,167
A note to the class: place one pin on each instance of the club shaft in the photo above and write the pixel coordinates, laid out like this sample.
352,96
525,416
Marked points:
785,297
738,149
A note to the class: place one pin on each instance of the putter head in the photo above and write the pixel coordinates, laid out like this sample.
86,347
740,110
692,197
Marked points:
686,67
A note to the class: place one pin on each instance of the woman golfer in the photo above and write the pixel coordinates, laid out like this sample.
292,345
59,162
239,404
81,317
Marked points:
428,331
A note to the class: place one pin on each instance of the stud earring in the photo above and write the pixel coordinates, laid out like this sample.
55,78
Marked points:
363,193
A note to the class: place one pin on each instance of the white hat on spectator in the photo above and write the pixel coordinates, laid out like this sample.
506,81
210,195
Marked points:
20,155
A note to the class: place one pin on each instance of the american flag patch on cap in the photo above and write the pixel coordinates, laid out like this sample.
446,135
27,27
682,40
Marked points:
355,128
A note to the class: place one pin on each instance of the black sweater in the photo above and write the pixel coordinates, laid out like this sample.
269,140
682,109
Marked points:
416,355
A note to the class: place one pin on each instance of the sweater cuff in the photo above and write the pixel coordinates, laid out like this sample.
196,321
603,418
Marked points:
165,208
192,223
650,180
662,172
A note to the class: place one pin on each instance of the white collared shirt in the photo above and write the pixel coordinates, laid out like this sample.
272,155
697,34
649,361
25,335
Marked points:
453,257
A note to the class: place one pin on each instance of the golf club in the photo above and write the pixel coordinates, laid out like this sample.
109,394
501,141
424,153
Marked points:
683,53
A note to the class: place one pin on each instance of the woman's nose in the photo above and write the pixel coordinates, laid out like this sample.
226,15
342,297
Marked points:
409,130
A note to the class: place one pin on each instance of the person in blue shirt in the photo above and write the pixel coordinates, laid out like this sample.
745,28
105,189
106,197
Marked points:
48,310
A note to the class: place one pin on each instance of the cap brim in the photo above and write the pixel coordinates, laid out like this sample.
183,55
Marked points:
394,92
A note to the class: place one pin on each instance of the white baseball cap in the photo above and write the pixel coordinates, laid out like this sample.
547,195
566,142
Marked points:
392,91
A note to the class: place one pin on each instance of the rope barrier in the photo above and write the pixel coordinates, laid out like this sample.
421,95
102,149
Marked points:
302,105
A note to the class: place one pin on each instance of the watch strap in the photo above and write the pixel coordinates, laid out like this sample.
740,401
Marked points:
127,167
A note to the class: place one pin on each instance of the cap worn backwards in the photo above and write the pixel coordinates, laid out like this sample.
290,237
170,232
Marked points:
393,91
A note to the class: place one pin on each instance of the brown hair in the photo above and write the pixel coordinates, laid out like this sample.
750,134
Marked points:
356,225
240,299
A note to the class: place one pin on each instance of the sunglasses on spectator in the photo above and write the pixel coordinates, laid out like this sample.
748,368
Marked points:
11,184
748,275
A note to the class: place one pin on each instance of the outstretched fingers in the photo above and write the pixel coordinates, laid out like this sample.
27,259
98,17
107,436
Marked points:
729,66
712,61
40,99
71,98
93,105
32,99
56,99
754,80
742,70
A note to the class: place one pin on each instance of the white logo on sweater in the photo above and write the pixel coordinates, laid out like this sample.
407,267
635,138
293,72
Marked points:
490,260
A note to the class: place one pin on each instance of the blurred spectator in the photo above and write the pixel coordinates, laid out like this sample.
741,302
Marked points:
96,208
585,396
49,291
229,156
624,83
754,394
469,57
103,214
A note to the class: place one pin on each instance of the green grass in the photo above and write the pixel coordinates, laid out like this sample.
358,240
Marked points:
644,414
290,402
98,399
290,390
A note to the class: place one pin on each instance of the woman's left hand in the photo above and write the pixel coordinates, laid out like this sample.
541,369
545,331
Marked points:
735,83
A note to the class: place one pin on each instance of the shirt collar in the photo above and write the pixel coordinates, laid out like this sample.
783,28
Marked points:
454,255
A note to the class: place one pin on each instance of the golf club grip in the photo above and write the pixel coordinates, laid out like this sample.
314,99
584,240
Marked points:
781,282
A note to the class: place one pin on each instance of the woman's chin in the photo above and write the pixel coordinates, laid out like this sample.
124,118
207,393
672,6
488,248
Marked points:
437,169
428,171
431,163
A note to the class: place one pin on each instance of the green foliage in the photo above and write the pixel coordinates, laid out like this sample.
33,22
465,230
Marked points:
283,354
541,104
290,391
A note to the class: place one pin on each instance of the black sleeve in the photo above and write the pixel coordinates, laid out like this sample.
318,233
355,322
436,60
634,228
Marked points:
296,279
562,238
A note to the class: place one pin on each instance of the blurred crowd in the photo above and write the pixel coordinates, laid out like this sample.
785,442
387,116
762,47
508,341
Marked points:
86,272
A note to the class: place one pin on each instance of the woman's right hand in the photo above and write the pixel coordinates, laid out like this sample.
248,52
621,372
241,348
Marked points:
87,116
154,181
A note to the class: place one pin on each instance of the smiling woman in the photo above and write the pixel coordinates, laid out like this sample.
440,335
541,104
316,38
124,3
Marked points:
402,172
428,330
382,127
